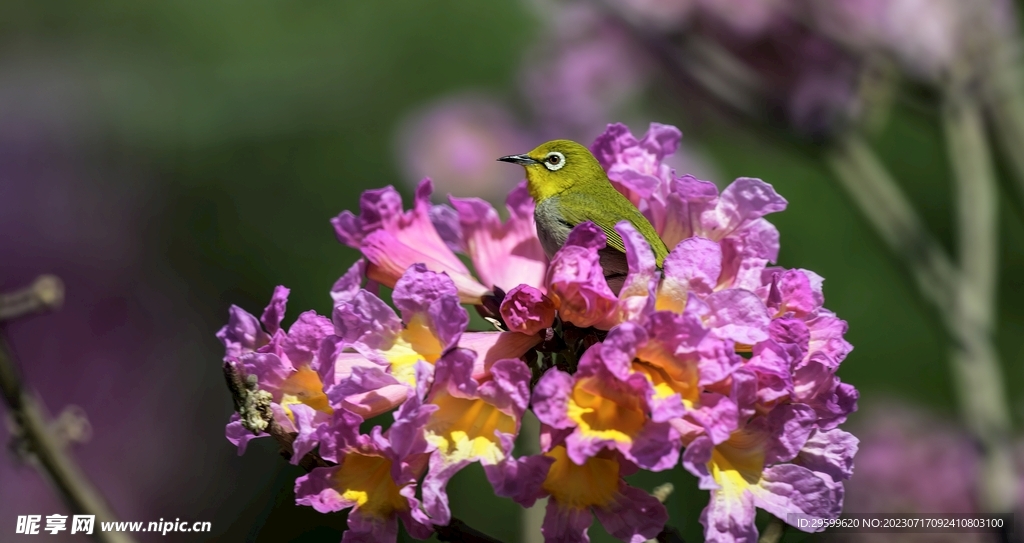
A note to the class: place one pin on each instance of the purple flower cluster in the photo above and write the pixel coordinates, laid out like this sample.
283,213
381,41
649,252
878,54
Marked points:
717,361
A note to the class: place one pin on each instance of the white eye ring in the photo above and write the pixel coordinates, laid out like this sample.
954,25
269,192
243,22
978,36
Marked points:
554,161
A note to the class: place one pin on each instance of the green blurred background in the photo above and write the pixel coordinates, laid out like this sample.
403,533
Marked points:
246,126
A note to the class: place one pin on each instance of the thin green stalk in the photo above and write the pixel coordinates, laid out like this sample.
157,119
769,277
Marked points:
962,299
773,531
1003,94
979,374
887,210
532,517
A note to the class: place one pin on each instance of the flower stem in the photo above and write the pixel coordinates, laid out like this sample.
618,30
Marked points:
33,425
1004,107
963,298
46,293
888,211
975,360
532,517
773,531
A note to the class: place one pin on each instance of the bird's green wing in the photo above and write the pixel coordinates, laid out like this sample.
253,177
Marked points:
606,212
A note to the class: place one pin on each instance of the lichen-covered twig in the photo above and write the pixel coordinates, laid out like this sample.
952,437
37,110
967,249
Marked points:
33,424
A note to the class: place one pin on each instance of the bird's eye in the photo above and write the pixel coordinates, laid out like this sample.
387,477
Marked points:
554,161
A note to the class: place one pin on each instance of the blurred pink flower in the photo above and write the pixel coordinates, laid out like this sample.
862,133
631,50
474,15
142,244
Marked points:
456,141
925,36
581,74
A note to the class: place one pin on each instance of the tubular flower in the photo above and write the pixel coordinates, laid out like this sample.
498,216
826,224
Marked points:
392,240
375,475
758,466
375,352
505,255
285,365
577,492
600,411
454,140
475,420
681,364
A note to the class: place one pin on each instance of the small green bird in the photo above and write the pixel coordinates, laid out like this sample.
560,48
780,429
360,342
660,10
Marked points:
570,187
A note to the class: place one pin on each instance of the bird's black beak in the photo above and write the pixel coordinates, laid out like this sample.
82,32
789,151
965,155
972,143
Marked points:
523,160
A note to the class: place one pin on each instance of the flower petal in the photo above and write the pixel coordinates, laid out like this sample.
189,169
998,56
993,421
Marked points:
564,524
493,346
789,426
376,207
504,254
551,398
519,478
368,391
576,281
302,343
390,257
349,284
788,488
633,515
446,221
307,422
366,323
242,334
316,490
717,414
238,435
687,199
274,312
393,240
744,200
831,452
692,266
729,518
739,315
430,299
695,460
636,298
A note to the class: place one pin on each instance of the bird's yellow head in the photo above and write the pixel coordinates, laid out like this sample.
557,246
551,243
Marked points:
557,166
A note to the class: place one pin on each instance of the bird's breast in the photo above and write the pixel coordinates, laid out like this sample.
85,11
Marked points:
552,228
